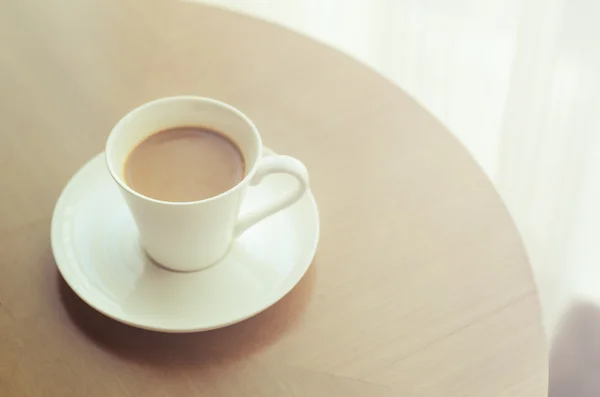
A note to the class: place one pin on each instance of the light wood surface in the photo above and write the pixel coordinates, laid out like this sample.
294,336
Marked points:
420,286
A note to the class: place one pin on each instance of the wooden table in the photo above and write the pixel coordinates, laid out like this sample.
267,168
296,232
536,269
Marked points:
420,286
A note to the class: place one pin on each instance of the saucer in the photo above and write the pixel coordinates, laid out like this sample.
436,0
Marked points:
95,244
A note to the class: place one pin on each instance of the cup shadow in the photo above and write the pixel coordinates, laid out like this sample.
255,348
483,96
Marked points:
221,346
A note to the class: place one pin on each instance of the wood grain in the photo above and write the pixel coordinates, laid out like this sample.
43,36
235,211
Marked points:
420,285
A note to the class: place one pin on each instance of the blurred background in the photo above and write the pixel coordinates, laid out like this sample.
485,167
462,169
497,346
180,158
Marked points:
518,83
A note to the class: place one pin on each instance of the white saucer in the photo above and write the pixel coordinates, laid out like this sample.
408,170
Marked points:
95,244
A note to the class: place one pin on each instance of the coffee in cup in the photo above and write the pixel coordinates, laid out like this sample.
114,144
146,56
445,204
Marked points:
184,164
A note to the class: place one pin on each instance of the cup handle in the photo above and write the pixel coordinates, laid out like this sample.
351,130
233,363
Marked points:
277,164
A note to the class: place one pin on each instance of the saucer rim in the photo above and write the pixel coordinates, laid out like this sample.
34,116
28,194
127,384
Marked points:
271,299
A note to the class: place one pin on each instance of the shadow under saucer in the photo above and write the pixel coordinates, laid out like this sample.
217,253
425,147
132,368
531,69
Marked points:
218,346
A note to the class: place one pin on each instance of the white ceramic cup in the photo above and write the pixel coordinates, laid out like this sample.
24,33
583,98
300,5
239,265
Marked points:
193,235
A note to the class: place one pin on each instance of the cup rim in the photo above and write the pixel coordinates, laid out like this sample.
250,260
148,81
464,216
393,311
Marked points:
132,113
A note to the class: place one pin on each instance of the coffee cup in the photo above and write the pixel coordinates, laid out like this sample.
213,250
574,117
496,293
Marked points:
192,235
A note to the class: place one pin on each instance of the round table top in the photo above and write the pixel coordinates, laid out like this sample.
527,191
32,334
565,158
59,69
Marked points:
420,285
